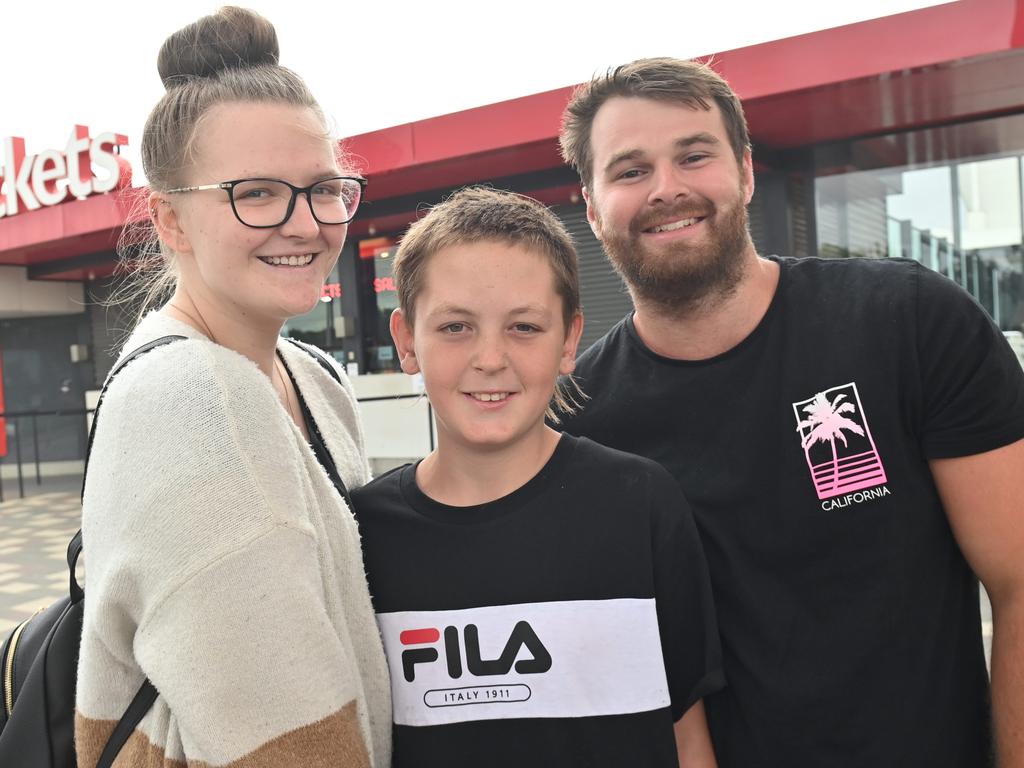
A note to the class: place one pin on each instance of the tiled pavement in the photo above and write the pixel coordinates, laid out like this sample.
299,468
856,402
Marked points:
34,535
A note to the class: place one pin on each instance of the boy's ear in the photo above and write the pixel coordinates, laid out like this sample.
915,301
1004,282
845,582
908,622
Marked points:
402,335
572,340
168,225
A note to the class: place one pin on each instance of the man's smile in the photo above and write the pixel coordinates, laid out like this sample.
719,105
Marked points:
672,226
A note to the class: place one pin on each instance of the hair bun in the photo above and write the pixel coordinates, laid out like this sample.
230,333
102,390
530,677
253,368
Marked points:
231,37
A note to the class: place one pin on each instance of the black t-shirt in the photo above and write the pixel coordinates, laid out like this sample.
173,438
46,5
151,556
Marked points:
849,618
529,630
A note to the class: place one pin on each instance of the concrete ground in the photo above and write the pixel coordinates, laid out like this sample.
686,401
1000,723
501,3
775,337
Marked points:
34,535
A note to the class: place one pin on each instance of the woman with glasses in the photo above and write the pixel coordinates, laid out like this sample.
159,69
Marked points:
223,561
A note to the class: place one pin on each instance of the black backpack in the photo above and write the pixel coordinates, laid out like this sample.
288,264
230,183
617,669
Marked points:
39,659
39,665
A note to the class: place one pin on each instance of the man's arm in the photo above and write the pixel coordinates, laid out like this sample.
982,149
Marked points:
693,742
983,496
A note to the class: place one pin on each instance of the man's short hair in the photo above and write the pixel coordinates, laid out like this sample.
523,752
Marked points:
477,214
691,83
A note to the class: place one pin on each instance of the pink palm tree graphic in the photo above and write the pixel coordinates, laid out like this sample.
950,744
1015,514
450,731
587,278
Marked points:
826,418
826,423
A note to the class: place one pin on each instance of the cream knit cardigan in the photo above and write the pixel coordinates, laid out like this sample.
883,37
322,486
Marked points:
222,564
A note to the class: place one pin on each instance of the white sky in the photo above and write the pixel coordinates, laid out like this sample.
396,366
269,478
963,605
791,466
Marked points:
375,63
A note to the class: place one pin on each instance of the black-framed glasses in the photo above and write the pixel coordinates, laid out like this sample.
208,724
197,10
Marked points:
264,203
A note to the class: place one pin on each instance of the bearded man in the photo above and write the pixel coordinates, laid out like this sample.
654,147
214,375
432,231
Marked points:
850,434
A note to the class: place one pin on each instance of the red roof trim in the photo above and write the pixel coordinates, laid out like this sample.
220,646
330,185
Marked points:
460,147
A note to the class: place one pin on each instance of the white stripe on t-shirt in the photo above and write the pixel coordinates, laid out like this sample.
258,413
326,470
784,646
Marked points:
574,658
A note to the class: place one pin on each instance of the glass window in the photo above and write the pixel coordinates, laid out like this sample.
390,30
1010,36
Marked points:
379,299
851,214
925,200
310,327
918,195
317,325
988,198
888,212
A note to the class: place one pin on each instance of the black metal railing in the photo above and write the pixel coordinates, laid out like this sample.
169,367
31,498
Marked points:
13,422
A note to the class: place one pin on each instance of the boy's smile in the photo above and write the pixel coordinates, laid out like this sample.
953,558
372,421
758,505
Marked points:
490,341
490,397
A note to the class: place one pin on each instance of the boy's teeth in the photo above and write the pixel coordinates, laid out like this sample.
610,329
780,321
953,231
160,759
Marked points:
487,397
682,223
288,261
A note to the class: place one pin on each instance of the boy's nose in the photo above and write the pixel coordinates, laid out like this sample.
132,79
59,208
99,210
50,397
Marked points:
490,356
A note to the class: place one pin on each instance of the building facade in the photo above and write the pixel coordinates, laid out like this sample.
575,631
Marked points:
897,137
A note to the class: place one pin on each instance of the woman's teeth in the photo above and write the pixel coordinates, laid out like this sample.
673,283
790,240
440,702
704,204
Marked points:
288,261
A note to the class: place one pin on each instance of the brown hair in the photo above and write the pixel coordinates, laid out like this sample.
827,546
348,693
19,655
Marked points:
692,83
476,214
229,56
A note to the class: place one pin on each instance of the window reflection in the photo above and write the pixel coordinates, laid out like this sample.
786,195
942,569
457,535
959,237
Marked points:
988,196
961,217
317,325
377,284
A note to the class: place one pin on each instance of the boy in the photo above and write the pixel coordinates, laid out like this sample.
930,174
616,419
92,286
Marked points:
542,599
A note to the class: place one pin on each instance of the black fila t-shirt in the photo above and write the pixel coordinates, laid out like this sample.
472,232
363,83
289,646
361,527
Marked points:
849,618
569,623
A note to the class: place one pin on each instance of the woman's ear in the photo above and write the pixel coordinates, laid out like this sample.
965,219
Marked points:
401,332
168,224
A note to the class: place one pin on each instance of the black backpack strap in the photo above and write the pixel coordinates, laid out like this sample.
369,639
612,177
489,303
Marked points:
75,547
316,440
74,550
136,711
317,355
147,693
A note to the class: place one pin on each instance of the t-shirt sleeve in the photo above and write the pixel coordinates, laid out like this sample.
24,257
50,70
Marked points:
971,381
686,613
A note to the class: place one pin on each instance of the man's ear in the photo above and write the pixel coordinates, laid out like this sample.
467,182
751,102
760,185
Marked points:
401,333
592,218
747,169
168,224
567,364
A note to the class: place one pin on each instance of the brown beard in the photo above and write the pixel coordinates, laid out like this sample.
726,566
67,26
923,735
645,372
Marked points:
688,277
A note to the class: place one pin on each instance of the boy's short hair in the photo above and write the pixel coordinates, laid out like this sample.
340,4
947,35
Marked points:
691,83
476,214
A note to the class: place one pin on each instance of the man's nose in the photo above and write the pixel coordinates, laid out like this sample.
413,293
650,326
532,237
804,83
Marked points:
668,184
